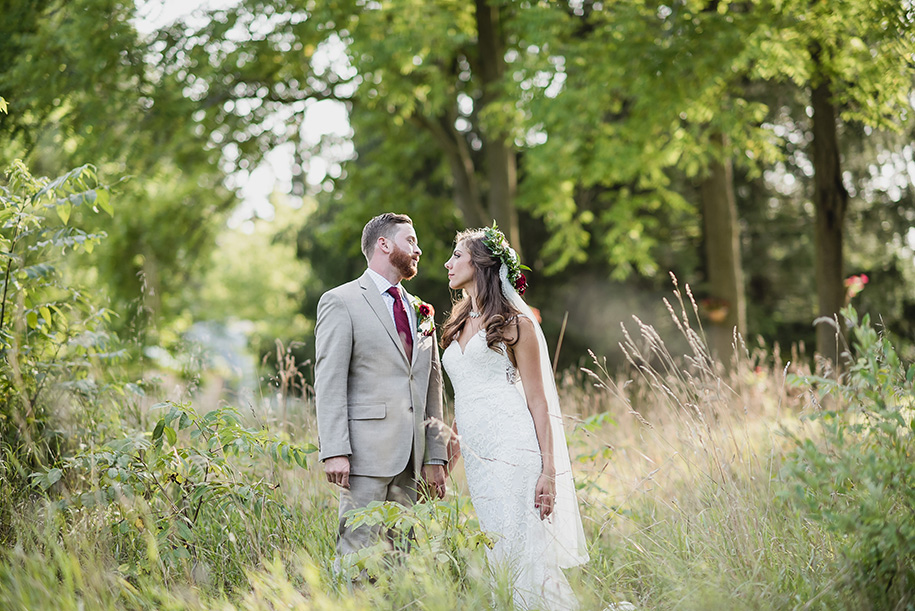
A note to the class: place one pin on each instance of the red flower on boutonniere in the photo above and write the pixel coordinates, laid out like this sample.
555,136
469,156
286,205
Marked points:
425,317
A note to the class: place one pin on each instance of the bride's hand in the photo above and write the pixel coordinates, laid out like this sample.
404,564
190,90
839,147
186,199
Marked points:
545,495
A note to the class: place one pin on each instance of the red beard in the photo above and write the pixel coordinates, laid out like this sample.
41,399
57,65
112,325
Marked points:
403,263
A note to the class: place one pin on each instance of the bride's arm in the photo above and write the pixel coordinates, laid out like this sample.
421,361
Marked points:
453,445
527,358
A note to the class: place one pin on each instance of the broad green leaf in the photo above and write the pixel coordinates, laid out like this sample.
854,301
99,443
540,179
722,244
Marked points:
63,211
160,427
46,314
54,476
103,202
183,531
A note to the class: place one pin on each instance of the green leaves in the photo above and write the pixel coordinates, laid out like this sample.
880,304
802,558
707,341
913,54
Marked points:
48,318
857,475
46,479
77,187
221,434
165,479
438,530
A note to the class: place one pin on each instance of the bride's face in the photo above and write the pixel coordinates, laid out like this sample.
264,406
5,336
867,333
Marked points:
460,269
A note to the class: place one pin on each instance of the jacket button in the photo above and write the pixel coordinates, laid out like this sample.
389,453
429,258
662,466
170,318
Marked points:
410,408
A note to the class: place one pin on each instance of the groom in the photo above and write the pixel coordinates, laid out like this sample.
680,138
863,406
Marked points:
378,383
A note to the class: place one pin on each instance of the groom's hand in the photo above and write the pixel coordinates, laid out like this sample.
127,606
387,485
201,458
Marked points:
337,470
434,479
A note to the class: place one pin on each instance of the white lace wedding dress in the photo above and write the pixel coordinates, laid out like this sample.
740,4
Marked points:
502,463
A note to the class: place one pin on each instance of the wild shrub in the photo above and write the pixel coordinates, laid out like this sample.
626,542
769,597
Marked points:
177,496
51,332
437,557
440,531
858,477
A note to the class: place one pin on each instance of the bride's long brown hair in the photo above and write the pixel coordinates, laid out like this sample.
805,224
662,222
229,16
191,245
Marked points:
497,313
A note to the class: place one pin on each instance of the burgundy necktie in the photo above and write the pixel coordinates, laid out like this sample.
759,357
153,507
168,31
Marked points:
402,322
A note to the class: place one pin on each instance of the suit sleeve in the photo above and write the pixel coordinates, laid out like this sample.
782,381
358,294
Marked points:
333,350
435,437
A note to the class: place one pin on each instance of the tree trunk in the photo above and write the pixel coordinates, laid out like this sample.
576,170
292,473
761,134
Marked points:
501,157
466,186
722,255
831,201
503,184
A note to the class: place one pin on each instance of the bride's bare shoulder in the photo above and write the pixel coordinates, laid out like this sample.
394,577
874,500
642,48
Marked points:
517,328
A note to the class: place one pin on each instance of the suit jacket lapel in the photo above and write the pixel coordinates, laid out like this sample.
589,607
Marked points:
376,302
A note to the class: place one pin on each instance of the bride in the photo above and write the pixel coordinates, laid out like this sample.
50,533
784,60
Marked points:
507,411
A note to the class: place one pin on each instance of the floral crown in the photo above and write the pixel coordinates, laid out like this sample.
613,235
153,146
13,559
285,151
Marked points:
495,241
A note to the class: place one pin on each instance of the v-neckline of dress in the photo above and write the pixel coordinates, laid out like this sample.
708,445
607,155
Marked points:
463,348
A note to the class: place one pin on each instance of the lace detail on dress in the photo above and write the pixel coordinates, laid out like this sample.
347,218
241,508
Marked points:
502,463
511,373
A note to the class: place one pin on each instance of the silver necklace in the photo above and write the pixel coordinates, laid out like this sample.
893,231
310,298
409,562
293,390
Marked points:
473,314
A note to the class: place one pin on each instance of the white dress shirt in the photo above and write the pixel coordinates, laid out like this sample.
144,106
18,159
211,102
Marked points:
383,285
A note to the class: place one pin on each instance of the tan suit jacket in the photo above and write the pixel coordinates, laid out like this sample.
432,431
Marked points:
373,405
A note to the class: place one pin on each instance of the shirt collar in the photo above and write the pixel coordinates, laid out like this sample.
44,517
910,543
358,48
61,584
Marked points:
382,283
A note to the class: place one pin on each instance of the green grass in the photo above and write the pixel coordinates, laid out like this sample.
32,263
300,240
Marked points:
683,495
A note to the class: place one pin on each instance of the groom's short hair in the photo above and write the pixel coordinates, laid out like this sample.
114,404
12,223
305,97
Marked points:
383,225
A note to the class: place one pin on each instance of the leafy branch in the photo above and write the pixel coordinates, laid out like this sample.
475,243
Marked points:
170,476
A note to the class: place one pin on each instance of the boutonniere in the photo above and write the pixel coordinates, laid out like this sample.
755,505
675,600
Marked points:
425,316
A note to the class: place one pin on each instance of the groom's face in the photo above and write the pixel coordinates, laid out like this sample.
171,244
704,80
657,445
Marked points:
405,251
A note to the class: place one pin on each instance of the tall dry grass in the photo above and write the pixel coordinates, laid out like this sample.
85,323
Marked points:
683,498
